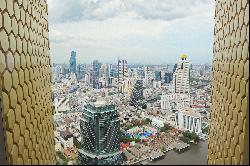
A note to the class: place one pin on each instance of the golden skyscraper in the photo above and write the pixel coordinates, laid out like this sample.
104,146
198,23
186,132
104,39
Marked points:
26,117
229,137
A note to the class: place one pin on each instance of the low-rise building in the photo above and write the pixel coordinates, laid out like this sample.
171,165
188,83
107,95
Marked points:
188,119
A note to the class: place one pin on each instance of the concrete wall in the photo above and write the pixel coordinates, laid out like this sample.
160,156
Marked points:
229,137
25,84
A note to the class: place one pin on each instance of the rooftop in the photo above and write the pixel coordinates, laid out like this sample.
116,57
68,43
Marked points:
190,112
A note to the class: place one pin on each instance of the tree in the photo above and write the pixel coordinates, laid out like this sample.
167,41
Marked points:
205,130
137,95
163,149
146,121
126,139
166,127
62,157
190,136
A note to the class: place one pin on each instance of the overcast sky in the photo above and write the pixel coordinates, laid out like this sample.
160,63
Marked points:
142,31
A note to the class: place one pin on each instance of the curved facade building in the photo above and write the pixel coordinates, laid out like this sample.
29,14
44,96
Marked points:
100,131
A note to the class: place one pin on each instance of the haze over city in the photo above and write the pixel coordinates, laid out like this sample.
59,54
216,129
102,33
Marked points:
156,32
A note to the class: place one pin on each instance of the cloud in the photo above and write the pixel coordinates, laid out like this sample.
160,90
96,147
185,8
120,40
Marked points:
74,10
142,30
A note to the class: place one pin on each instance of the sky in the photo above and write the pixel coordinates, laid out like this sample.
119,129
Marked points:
141,31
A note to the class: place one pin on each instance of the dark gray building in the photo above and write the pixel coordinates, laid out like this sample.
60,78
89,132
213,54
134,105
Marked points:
100,131
96,73
72,62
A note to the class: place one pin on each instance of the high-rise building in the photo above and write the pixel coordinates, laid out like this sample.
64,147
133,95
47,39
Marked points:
100,131
148,80
228,141
168,77
72,62
157,75
122,69
110,74
80,71
181,76
175,67
26,115
96,73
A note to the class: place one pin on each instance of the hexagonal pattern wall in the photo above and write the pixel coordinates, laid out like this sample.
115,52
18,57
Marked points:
228,139
25,86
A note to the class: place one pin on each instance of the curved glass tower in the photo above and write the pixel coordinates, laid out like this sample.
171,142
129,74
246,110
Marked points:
100,131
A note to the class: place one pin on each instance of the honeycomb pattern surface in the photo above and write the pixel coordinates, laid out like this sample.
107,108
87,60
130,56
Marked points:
229,118
25,83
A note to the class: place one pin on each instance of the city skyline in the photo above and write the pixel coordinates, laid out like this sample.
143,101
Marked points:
142,32
110,110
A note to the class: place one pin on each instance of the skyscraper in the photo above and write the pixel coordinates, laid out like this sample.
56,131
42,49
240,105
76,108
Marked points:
168,77
26,116
80,71
72,62
148,77
158,75
229,119
96,73
181,76
100,131
111,74
122,70
175,67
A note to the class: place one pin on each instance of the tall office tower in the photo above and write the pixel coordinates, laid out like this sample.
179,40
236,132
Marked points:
175,67
72,62
96,74
229,118
111,74
168,77
100,131
80,71
181,76
26,117
65,69
157,75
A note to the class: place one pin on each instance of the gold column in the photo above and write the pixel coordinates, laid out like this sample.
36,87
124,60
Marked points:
228,138
25,86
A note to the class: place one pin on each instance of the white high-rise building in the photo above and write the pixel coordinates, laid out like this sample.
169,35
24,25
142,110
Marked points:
165,103
122,74
148,77
188,119
181,76
122,70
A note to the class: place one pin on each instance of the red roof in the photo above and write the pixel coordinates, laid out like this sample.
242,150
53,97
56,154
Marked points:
124,146
68,120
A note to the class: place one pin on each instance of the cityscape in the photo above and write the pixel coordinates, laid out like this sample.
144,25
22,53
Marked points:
128,113
124,82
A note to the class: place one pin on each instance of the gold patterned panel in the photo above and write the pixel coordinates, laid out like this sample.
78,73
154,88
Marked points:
25,86
228,138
